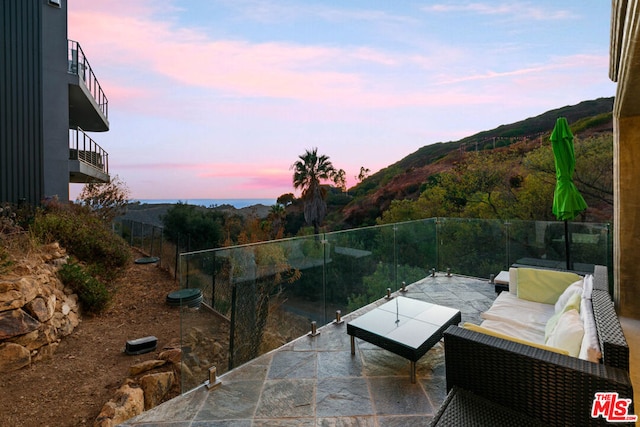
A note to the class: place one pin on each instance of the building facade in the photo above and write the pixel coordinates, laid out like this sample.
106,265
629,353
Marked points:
49,99
624,68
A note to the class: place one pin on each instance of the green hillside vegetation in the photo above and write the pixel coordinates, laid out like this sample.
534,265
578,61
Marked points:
514,183
507,179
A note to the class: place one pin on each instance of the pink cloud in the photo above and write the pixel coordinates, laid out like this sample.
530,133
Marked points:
142,45
257,173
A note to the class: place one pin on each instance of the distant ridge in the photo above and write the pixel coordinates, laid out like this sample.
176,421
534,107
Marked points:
404,178
236,203
527,128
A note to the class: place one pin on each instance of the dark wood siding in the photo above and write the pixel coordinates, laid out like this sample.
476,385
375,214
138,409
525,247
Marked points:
21,133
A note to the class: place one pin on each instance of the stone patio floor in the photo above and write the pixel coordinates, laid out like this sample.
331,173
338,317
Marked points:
315,381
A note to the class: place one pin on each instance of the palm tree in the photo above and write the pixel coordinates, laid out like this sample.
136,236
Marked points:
277,216
308,172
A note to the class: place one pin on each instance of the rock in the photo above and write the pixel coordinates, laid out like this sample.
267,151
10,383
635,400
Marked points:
74,320
16,322
13,356
126,403
7,285
11,299
145,366
45,352
155,387
41,309
28,339
187,374
173,355
29,287
15,293
217,348
52,251
46,334
62,324
59,262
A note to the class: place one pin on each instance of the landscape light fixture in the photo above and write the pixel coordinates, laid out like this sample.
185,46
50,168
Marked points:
213,380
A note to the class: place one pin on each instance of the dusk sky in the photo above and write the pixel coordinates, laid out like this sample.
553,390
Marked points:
218,98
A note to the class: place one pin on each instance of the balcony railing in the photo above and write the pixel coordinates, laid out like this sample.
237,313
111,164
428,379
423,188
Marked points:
87,151
263,295
79,65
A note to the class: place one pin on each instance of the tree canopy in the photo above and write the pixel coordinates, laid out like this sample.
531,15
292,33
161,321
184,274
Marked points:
511,184
309,170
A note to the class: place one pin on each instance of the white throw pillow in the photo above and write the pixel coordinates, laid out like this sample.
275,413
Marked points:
590,347
572,289
568,333
587,288
573,303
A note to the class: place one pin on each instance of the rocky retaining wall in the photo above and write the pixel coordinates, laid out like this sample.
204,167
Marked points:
36,309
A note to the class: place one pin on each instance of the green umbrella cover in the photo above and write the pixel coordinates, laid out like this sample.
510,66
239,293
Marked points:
567,200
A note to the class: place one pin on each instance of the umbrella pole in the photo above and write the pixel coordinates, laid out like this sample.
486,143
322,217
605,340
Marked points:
566,243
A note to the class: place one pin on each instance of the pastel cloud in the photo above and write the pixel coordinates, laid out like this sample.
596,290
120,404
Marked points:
516,10
140,42
572,62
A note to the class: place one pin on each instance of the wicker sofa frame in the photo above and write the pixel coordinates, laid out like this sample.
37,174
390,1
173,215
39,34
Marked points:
485,372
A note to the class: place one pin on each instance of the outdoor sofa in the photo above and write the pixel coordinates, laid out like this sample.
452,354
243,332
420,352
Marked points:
494,380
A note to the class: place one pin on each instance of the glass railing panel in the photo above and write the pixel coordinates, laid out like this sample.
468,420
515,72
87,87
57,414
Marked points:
472,247
364,263
360,267
266,294
543,244
417,251
204,331
277,296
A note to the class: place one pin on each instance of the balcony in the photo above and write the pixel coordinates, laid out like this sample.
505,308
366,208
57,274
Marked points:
88,105
88,162
259,301
287,284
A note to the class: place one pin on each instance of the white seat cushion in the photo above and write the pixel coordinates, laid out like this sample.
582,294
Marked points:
522,313
514,330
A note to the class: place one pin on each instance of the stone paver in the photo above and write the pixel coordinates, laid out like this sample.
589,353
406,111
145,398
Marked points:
315,381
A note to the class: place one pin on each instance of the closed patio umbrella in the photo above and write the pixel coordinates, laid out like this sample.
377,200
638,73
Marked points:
567,200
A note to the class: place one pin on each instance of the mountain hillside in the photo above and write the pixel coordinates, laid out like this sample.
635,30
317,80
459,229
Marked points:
406,178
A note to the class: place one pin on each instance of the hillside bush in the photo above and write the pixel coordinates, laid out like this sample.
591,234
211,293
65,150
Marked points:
108,200
5,260
201,228
92,294
83,235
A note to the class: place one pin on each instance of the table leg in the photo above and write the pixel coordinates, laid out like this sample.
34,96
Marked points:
353,344
412,375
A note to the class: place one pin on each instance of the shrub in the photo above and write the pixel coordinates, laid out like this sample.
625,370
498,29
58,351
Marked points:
5,260
92,294
83,234
107,201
